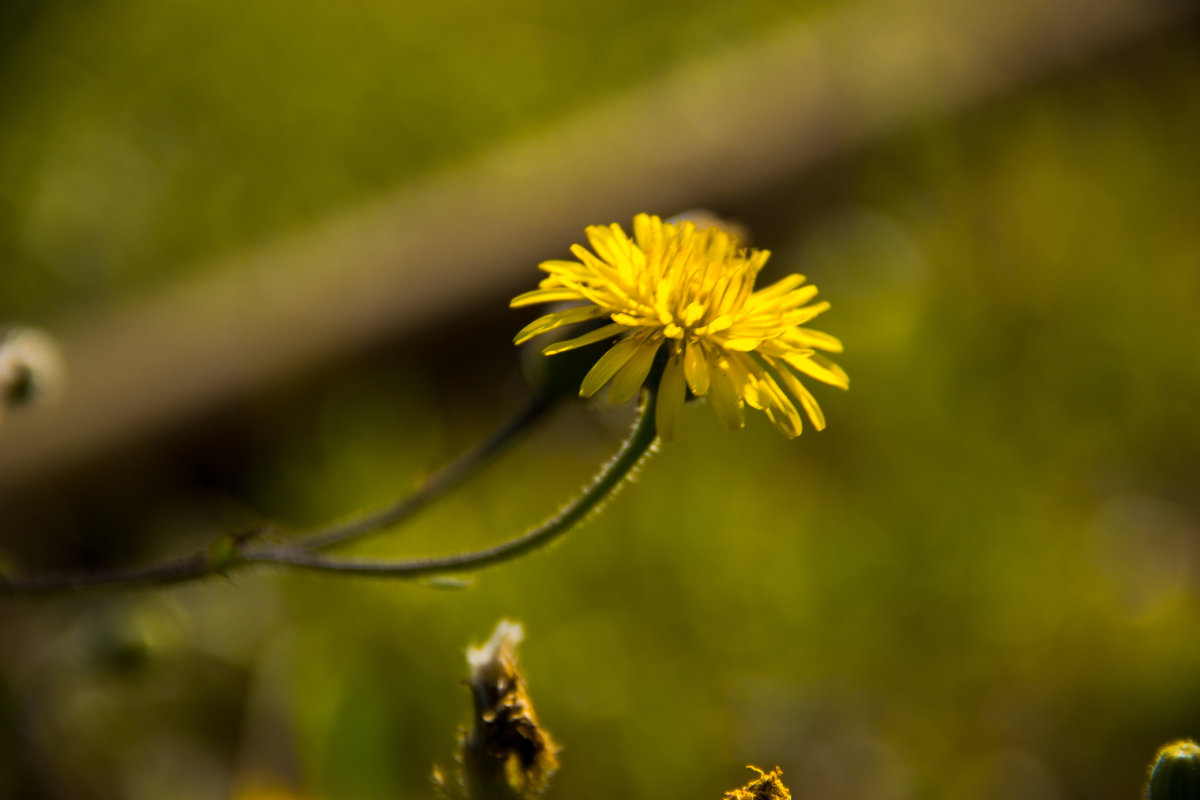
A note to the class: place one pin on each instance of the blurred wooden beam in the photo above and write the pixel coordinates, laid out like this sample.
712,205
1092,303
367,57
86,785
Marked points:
406,261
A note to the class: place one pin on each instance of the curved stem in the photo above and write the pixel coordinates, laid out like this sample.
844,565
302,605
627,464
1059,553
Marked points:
231,552
176,570
435,486
639,443
237,549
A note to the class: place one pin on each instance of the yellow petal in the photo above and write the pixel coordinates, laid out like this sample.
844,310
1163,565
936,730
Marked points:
809,402
725,400
779,407
798,297
781,349
821,368
648,231
740,368
671,392
633,374
600,334
800,392
598,237
780,287
606,366
719,244
692,314
610,243
799,316
751,397
741,345
757,260
788,424
794,297
662,300
595,267
720,323
695,369
560,266
631,321
818,339
556,320
543,296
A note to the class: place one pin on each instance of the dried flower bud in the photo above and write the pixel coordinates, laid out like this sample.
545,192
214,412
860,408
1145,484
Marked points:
31,368
1176,772
506,754
703,218
767,786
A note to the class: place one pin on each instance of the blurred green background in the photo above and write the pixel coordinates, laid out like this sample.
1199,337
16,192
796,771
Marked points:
140,136
983,580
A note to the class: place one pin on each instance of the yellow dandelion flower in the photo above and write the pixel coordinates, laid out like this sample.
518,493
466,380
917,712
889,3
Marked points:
767,786
689,292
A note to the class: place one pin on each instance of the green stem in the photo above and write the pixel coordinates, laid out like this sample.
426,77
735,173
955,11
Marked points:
176,570
435,486
235,552
610,479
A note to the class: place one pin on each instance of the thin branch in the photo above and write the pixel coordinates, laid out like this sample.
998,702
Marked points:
231,552
228,552
177,570
435,486
605,484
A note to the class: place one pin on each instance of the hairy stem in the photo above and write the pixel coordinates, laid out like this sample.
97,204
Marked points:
228,553
231,552
176,570
435,486
605,484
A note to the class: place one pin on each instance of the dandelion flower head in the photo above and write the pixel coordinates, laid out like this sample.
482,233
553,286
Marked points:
689,292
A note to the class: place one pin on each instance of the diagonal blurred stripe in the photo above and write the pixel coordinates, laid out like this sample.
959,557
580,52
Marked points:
399,264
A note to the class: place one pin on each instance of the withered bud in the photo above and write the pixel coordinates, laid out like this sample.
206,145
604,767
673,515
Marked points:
31,368
703,218
767,786
1175,774
506,753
